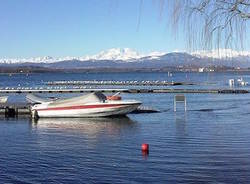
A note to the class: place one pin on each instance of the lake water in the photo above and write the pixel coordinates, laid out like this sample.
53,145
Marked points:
210,143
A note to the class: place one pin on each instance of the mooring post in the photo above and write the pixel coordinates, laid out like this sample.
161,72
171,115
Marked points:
16,112
34,115
6,111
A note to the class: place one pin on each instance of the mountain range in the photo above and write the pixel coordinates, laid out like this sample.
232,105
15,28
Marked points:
128,58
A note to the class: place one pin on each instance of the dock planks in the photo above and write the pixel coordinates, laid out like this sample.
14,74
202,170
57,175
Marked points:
160,90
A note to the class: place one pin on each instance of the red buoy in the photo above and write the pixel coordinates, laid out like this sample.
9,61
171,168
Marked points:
145,147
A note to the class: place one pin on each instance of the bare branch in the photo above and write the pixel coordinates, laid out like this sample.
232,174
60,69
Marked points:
213,23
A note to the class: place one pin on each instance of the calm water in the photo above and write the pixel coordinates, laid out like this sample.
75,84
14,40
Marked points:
210,143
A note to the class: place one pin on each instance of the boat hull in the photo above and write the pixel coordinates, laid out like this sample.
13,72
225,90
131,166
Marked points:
3,99
94,110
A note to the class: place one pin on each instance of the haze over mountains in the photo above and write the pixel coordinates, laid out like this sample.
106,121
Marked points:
128,58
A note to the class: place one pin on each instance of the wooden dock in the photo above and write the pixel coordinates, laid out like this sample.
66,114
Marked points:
141,90
117,83
14,110
57,90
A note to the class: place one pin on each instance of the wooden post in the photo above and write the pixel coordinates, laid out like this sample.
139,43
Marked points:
16,112
6,111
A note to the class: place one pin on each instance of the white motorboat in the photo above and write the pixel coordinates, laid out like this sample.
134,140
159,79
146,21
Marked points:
3,99
92,105
241,82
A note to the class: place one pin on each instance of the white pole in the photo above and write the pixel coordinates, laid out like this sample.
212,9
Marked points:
185,104
174,104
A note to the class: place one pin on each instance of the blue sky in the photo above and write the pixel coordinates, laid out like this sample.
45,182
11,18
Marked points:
59,28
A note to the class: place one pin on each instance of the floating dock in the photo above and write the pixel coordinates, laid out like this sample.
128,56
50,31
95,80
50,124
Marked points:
118,83
89,90
14,110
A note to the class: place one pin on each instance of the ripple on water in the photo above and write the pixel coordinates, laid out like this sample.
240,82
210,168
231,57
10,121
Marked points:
210,143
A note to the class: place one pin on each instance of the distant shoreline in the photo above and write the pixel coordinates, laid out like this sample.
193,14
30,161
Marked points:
27,70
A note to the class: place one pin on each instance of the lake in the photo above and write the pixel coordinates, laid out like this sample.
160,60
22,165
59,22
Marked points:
209,143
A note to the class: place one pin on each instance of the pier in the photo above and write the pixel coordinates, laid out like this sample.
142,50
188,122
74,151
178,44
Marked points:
14,110
115,90
118,83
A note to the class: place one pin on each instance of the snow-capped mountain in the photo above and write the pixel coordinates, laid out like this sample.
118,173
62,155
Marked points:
128,58
114,54
46,59
221,53
122,54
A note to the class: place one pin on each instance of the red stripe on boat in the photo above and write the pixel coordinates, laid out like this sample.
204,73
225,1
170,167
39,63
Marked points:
82,107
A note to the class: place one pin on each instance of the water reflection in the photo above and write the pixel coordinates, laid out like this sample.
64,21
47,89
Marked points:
85,126
180,123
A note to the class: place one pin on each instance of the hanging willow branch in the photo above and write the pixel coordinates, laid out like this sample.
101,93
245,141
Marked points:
212,23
